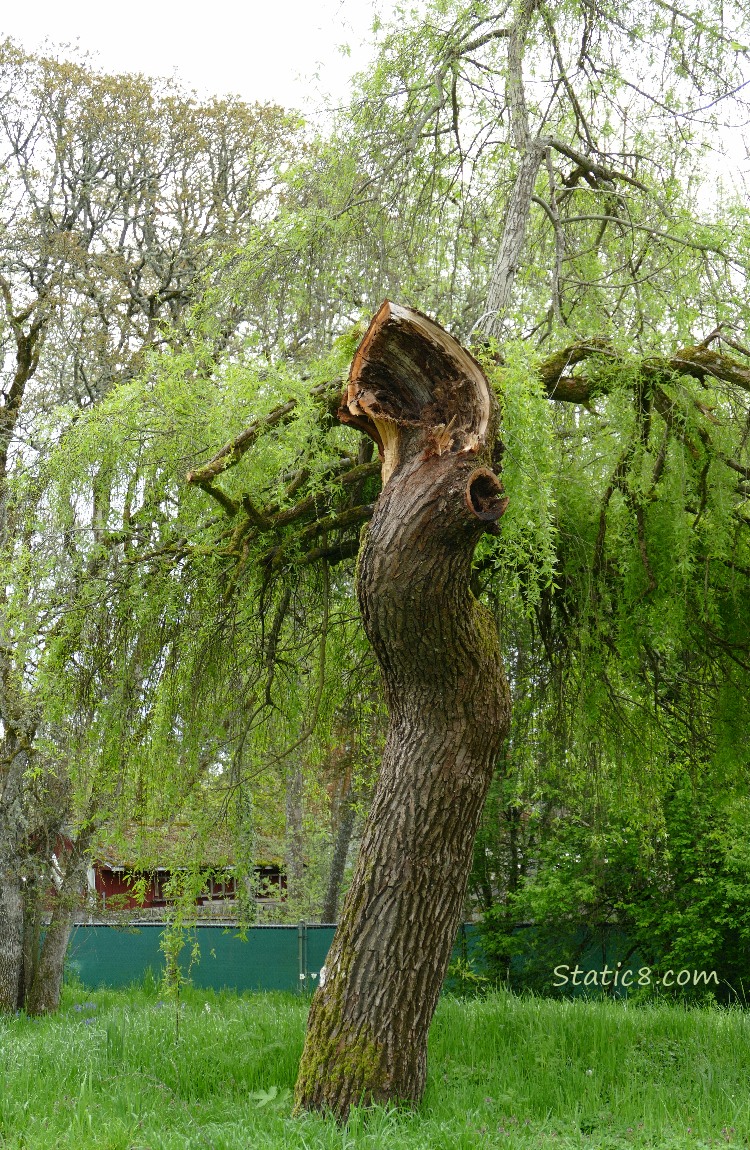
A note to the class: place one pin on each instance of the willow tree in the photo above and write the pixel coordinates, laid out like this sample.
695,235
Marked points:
428,406
599,226
640,467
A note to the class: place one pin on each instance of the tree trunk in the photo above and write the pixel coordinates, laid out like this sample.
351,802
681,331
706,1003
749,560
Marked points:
32,933
502,277
13,827
343,838
11,939
531,153
429,407
44,996
295,836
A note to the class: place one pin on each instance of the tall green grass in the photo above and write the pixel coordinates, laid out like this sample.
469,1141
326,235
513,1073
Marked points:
124,1071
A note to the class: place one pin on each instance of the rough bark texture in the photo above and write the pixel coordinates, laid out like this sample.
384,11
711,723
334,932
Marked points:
31,969
531,153
32,933
427,404
11,941
505,267
13,827
46,986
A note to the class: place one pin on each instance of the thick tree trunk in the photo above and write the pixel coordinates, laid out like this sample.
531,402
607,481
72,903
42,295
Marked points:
32,933
428,405
13,827
44,995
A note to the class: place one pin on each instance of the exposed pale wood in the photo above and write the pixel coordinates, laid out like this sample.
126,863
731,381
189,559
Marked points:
410,376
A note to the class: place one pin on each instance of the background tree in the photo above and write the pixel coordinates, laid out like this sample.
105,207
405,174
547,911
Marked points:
118,199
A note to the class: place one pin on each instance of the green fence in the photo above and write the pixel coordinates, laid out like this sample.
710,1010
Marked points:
263,958
585,960
290,957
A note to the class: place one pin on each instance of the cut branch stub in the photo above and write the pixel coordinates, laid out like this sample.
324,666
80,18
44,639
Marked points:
412,387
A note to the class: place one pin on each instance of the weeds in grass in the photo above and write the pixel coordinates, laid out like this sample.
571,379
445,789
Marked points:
108,1072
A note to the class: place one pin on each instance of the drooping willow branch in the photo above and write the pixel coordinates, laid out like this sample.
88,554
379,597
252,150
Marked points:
233,451
698,362
317,518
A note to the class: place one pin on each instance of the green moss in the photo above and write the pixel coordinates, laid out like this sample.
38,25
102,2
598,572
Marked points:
485,629
338,1068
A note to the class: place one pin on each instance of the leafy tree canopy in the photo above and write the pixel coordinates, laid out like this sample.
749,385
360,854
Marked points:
541,181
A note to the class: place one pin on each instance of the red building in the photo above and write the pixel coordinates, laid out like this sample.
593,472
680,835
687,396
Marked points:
135,871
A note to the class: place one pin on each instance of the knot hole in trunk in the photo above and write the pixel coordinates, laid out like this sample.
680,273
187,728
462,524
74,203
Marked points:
484,495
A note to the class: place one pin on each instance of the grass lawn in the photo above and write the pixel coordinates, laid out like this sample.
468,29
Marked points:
124,1071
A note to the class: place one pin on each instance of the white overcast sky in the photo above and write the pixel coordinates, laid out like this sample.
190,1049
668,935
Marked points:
269,50
286,51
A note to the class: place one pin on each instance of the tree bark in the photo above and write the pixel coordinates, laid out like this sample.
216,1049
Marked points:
427,404
11,940
46,987
531,153
13,828
502,278
32,933
295,836
341,843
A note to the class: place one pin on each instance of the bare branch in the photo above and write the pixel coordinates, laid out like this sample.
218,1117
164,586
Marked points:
232,452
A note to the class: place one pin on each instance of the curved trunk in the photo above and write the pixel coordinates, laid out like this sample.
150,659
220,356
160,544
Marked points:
428,406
